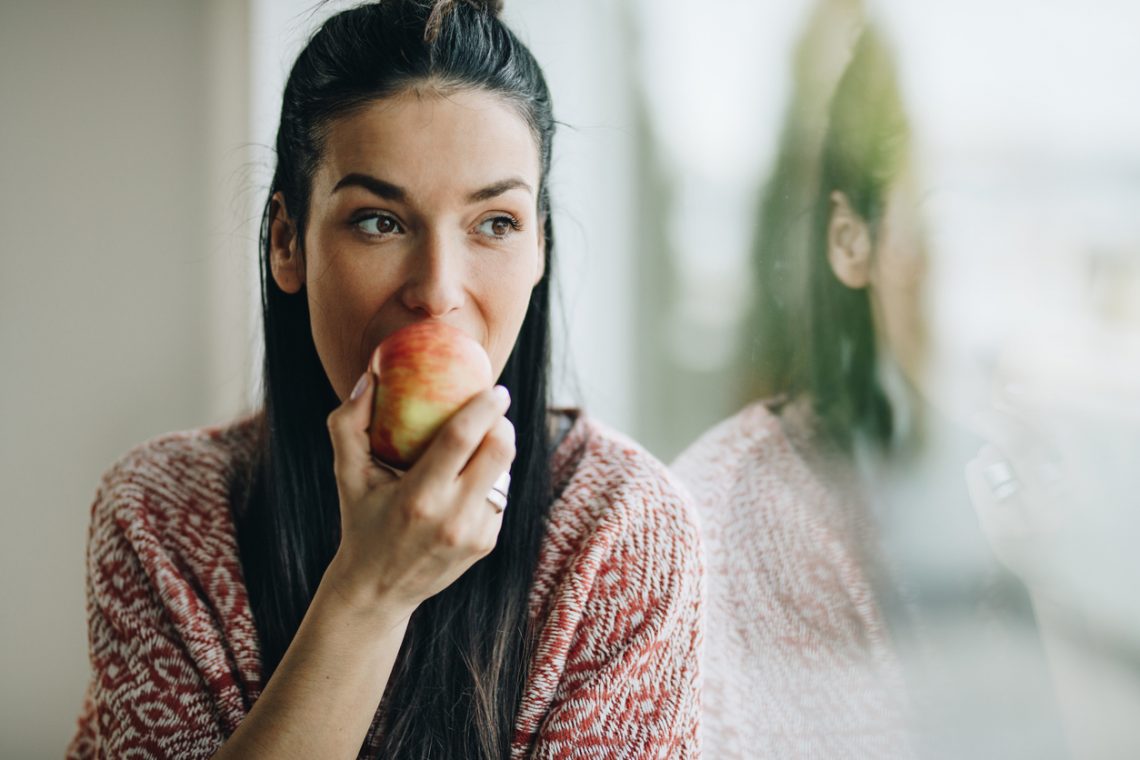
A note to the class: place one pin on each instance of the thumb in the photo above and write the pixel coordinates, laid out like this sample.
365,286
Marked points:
348,429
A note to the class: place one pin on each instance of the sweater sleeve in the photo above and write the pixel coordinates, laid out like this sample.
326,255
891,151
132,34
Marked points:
146,696
628,635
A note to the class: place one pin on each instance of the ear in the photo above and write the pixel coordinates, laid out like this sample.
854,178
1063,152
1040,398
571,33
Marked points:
541,248
285,261
848,243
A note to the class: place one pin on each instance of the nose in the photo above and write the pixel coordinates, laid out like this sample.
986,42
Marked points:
435,282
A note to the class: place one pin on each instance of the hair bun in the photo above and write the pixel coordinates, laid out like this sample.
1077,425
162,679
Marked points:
493,7
441,8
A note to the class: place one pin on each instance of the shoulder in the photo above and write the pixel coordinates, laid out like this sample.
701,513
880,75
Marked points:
608,482
173,487
749,476
729,463
621,527
617,598
750,435
166,604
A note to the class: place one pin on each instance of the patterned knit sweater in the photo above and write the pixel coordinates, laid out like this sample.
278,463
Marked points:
175,654
798,662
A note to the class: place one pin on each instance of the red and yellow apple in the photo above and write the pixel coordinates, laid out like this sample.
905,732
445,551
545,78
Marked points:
424,373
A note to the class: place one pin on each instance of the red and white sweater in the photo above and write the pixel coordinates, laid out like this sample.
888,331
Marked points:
798,661
174,650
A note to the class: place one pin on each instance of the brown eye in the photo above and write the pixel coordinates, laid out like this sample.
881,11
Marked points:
499,226
379,224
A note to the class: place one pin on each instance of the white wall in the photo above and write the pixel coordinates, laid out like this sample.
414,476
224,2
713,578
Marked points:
582,48
112,256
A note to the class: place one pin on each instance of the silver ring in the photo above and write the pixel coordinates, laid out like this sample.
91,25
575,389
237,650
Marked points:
503,483
1001,480
498,500
498,493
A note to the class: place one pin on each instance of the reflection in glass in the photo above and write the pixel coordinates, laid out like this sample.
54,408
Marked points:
921,518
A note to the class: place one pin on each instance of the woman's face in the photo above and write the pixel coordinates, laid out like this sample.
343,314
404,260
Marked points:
424,206
890,264
896,278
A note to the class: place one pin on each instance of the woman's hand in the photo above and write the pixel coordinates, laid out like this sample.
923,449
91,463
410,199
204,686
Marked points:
404,540
1019,486
1050,490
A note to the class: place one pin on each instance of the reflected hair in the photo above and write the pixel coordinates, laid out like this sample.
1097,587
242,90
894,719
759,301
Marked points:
459,677
816,336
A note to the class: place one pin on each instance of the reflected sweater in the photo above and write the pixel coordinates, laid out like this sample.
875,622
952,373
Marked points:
174,649
798,660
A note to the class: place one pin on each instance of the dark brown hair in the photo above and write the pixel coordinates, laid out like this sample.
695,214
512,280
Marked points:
814,335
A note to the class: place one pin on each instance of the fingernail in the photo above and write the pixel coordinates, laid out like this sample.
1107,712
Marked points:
503,394
361,384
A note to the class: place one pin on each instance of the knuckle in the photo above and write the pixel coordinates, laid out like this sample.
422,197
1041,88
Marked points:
501,443
417,509
500,450
505,428
458,434
450,536
488,545
487,397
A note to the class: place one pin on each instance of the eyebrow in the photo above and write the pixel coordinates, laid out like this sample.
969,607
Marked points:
388,191
377,187
498,188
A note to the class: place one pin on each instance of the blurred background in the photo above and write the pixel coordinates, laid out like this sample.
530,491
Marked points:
134,155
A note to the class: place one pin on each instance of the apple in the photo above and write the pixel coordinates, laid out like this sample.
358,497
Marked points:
424,373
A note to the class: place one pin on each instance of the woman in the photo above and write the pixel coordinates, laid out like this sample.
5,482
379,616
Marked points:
830,505
799,663
263,589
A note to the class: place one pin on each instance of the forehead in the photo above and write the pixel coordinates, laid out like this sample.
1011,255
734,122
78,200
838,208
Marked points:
431,142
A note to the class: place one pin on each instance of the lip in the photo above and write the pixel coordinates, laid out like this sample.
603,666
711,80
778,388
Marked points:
369,344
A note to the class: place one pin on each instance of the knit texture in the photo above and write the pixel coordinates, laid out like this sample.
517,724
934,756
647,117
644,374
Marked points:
798,661
174,650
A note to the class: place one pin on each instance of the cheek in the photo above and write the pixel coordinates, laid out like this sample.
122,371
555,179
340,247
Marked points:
505,303
342,302
900,259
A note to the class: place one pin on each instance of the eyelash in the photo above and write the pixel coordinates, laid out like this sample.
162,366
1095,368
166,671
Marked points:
375,215
514,223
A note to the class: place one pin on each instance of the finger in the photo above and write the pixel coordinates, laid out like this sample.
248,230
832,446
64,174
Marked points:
490,461
455,443
996,491
381,473
1003,429
999,473
472,532
1040,466
490,530
980,493
1019,436
348,430
1020,490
